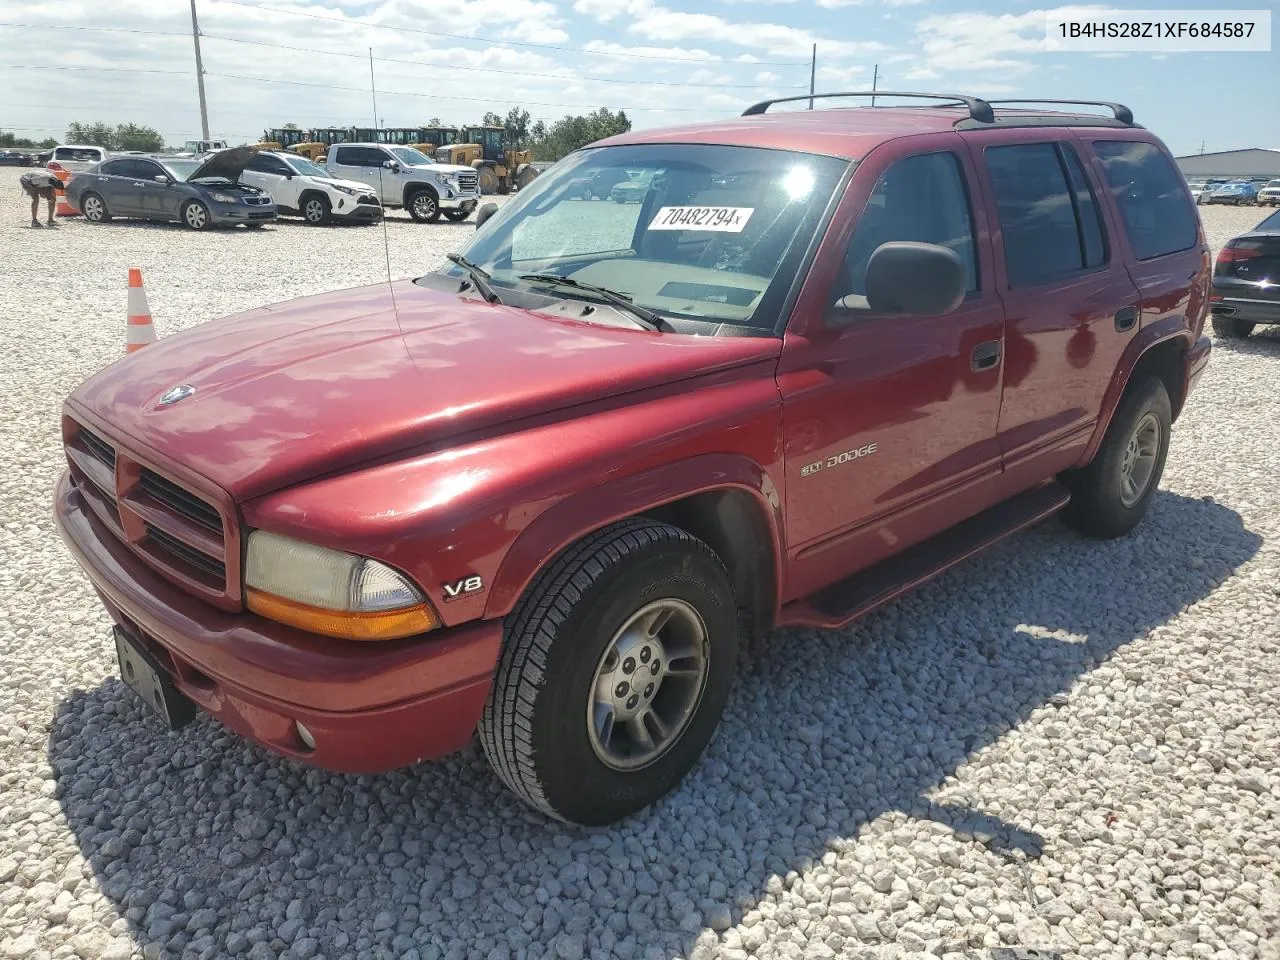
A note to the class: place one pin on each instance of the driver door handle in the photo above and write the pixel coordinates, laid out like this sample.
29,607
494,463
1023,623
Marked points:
985,355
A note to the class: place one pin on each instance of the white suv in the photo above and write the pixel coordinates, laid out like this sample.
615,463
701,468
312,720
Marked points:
76,158
403,177
308,190
1269,196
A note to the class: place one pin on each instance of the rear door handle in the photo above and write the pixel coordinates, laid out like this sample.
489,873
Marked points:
985,355
1126,318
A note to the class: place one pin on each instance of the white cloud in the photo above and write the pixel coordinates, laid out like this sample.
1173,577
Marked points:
833,4
535,31
662,23
606,10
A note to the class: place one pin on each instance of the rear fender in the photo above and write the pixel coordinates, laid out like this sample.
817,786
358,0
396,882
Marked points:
1168,331
588,511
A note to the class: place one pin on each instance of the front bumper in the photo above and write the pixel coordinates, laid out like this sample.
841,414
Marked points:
370,707
458,202
225,214
356,212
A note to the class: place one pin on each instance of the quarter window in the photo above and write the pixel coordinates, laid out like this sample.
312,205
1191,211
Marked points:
1048,217
1152,197
921,198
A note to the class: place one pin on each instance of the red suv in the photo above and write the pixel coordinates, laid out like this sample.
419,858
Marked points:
548,490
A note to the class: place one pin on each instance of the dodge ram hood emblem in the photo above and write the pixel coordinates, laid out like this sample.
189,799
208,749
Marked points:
175,394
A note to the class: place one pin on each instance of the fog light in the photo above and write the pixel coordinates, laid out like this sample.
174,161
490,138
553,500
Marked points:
305,736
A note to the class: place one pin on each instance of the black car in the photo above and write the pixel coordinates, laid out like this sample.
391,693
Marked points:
198,193
1246,281
13,158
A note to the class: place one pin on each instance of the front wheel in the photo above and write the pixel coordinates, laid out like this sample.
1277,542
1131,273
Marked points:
488,180
1112,494
616,667
423,207
195,215
316,211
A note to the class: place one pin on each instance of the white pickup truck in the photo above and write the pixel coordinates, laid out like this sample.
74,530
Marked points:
403,177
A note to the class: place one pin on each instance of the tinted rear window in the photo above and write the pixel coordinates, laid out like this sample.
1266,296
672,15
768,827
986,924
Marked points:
1157,214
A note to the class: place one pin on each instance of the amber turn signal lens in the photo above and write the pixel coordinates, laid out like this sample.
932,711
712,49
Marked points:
346,625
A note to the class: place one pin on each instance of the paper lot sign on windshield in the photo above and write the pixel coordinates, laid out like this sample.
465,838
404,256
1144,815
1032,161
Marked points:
716,219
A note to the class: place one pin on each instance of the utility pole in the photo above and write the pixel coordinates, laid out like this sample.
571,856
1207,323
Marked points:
1202,148
204,109
875,79
813,72
373,89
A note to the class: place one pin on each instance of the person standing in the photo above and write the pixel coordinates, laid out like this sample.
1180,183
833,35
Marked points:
37,184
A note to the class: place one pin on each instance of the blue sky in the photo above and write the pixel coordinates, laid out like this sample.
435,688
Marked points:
665,61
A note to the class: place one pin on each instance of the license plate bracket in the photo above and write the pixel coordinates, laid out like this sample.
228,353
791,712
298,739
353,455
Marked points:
144,675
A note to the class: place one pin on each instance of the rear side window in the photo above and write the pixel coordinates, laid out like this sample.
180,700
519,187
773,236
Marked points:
1158,216
1048,217
360,156
921,198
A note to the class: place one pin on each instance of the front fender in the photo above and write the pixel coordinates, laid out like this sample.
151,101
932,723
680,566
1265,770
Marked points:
574,517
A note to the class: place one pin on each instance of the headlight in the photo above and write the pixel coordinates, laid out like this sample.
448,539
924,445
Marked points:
442,178
331,592
225,198
341,189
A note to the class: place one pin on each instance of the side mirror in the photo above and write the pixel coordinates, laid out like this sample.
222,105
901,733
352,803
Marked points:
160,178
911,278
393,166
289,176
484,213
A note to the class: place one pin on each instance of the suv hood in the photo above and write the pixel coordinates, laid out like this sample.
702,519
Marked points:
225,163
291,391
330,181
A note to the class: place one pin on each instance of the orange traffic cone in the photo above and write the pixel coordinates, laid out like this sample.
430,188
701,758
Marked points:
140,330
63,209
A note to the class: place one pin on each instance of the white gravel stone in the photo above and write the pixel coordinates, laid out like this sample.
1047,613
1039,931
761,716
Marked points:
1061,744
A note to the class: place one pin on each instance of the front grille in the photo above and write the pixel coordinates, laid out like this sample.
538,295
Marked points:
368,198
261,201
468,181
202,562
99,448
178,532
178,500
261,216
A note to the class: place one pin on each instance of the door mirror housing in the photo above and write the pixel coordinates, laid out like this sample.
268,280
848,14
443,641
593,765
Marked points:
484,213
160,178
907,277
392,165
289,176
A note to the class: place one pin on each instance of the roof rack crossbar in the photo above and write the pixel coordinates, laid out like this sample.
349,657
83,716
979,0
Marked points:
1119,110
979,109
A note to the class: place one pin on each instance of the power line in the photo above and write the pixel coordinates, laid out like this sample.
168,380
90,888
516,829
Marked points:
346,21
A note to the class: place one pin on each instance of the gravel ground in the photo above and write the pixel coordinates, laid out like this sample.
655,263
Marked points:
1061,744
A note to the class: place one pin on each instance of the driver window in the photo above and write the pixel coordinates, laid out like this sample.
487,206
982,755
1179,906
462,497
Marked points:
920,198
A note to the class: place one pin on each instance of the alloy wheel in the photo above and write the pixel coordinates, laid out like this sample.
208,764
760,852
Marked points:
1139,462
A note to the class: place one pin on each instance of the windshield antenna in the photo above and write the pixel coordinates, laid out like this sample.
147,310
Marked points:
386,243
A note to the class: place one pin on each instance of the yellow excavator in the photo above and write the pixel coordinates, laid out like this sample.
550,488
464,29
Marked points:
500,168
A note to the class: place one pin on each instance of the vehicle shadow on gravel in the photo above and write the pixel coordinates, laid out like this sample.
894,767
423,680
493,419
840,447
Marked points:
209,847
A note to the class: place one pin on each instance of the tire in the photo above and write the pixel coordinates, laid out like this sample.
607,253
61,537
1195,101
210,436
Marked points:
94,208
457,216
538,728
316,210
423,206
1232,328
1102,504
195,215
488,180
525,177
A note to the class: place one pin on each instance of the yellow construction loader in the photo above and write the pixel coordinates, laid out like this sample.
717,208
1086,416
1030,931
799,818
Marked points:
500,168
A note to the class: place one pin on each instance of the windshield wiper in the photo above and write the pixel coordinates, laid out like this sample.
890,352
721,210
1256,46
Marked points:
647,318
479,279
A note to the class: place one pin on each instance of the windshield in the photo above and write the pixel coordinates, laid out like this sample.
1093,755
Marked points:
410,157
181,169
308,169
688,230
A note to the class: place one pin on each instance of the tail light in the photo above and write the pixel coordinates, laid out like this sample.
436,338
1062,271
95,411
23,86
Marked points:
1236,254
55,166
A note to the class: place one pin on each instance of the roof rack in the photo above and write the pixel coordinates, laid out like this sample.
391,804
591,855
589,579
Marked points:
1118,110
979,110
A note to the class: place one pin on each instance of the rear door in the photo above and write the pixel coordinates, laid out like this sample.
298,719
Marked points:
114,183
1070,306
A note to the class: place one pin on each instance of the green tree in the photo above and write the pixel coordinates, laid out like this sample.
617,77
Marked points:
517,127
491,119
571,132
92,134
130,136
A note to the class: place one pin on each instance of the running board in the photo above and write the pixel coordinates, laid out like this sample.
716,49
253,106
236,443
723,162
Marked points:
838,604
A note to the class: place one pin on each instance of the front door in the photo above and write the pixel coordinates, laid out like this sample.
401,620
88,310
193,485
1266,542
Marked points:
888,416
365,165
1070,305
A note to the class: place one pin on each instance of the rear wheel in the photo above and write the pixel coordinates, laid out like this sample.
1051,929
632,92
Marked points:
94,208
1111,495
525,177
195,215
423,206
488,180
316,210
1232,328
615,670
